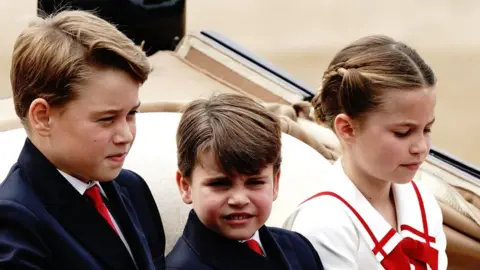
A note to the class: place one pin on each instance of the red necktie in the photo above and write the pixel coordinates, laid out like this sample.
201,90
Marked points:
94,194
253,245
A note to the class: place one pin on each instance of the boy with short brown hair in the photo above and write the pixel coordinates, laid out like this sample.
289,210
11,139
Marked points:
229,155
67,203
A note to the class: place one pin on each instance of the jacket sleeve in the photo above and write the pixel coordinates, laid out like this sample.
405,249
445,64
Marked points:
331,233
21,247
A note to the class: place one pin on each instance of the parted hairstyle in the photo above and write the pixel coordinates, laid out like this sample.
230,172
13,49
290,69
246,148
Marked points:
240,132
360,74
55,55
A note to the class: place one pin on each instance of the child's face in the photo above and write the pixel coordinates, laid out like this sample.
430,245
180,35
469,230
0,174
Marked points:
233,207
90,136
392,142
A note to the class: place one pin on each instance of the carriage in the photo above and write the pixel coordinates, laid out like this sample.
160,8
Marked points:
205,63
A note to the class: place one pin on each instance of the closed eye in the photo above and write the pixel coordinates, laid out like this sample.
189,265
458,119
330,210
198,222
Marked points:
219,183
256,182
401,134
106,119
405,134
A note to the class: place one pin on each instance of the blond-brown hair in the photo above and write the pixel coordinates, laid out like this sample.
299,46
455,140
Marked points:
53,56
360,73
242,134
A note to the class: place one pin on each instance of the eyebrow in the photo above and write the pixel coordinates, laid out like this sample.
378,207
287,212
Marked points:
413,124
259,176
116,111
217,178
225,177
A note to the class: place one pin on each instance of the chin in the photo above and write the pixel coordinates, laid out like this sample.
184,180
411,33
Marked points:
239,236
404,179
107,175
402,176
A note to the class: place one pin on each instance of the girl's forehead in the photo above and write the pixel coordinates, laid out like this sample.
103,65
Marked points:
415,105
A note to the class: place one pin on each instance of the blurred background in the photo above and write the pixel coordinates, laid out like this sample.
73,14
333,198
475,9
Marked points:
302,36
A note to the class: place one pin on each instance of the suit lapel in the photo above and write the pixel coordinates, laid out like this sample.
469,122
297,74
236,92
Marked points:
127,221
275,251
222,253
72,210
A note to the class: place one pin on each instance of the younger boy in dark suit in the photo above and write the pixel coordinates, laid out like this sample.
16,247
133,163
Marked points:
229,155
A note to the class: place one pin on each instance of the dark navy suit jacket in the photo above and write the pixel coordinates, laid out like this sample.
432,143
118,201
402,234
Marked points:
199,248
46,224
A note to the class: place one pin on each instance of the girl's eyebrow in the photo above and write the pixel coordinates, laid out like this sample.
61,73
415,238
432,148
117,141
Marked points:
413,123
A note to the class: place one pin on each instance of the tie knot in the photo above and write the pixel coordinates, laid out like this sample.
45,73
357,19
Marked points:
253,245
94,194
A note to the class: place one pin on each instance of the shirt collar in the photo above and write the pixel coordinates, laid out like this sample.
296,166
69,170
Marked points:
256,237
79,185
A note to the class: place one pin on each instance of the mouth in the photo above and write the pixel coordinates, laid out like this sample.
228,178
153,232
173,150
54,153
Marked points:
238,218
120,157
412,166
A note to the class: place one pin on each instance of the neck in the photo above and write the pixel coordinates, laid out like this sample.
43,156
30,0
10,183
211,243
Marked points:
377,191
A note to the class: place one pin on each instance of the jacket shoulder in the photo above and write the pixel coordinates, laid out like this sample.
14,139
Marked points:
296,247
184,257
133,184
15,188
293,236
128,178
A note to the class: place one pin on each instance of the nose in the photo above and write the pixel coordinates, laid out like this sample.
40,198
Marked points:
238,199
421,145
125,133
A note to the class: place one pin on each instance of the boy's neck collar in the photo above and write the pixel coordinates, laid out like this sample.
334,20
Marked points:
221,252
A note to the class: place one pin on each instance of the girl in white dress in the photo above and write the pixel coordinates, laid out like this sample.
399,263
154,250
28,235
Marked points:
378,96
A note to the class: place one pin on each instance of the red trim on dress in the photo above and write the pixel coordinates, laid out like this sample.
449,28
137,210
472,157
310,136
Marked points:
408,251
360,218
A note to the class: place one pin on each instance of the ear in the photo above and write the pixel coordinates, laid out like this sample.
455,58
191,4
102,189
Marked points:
344,128
276,184
39,116
184,188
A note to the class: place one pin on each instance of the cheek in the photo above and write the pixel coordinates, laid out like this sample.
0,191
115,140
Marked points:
380,151
391,149
207,201
99,139
262,199
133,129
428,141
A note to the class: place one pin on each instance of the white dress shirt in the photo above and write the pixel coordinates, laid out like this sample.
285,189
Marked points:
256,237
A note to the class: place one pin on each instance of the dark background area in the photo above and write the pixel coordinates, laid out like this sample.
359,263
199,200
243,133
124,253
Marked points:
159,23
